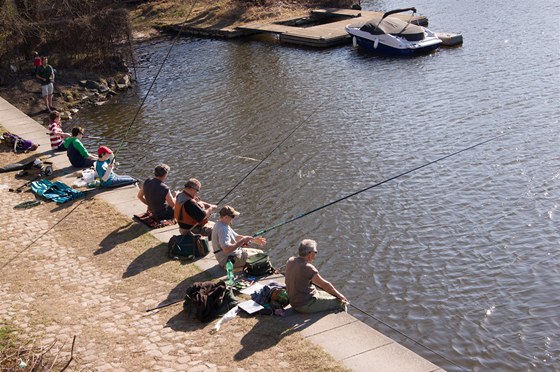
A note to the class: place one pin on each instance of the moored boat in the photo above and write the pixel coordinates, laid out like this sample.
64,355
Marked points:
393,36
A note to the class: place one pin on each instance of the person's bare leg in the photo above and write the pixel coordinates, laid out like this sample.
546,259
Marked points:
46,99
49,99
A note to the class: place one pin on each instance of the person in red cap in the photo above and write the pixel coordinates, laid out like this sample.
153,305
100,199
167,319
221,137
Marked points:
104,168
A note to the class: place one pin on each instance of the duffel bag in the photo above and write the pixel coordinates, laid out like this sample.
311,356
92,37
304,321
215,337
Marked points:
187,247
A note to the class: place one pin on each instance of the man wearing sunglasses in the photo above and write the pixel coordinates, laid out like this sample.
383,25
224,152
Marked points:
301,276
228,244
191,213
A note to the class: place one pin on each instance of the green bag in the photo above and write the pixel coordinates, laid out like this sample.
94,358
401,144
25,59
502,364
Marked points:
258,265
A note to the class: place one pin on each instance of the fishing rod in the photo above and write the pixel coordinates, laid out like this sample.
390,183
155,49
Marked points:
20,189
258,233
165,305
270,153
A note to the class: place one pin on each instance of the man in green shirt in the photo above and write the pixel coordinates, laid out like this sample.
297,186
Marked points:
45,74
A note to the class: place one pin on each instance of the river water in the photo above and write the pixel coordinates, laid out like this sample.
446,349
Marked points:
462,255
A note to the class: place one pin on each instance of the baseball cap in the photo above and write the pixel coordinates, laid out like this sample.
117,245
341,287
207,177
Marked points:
228,210
102,150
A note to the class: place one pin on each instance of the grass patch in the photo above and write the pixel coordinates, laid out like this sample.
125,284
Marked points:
7,339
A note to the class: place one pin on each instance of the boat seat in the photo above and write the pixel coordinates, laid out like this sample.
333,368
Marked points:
394,26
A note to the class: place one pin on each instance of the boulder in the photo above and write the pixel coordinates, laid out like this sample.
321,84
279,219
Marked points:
125,79
90,84
103,88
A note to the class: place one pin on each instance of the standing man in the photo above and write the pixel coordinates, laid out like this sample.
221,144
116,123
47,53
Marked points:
191,211
77,154
45,74
300,277
226,242
157,196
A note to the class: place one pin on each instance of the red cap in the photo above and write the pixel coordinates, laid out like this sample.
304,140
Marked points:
102,150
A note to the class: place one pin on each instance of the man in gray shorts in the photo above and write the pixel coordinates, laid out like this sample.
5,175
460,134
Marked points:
45,74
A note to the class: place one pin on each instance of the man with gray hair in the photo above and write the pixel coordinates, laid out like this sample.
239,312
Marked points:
157,196
300,277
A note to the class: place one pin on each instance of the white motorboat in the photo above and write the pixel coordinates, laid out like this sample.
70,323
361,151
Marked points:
393,36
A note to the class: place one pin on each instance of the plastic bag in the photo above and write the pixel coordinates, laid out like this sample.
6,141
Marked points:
88,175
226,318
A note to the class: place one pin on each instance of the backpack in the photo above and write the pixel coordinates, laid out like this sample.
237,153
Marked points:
187,247
207,300
274,294
258,265
17,143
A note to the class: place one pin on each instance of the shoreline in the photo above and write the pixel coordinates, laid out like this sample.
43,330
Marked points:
115,305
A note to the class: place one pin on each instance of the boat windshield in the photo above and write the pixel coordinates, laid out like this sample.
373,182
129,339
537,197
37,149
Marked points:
393,26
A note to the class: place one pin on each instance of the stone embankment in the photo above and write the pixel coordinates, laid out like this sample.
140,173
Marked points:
91,92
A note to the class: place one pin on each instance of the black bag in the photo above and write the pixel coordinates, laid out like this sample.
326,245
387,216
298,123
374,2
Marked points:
258,265
187,247
207,300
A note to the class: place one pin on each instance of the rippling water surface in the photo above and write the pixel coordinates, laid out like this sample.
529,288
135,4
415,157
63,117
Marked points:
462,255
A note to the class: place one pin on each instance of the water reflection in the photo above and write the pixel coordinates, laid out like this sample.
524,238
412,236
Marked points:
462,255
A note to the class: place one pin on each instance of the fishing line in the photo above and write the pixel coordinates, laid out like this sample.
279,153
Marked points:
152,144
396,330
405,335
270,153
116,139
155,78
375,185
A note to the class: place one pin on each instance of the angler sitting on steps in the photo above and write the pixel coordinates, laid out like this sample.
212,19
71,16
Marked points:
300,277
104,168
191,213
226,242
77,154
157,196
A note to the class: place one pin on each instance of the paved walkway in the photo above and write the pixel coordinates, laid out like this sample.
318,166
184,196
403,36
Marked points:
116,309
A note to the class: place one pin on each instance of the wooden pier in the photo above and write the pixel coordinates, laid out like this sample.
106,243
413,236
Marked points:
323,28
330,30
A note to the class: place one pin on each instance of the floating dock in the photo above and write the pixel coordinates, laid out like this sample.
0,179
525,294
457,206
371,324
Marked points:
330,31
323,28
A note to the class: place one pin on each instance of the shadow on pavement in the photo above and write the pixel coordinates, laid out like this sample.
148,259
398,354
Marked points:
123,234
180,322
150,258
260,337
